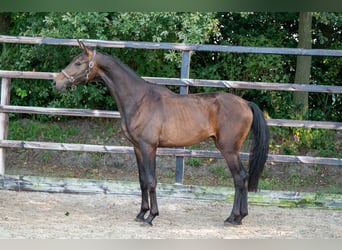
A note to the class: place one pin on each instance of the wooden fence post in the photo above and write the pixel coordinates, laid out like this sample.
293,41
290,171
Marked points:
5,98
185,70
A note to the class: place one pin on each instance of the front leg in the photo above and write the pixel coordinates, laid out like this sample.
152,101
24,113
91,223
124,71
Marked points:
149,166
143,187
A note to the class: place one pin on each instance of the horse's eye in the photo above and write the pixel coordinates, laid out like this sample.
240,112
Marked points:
78,63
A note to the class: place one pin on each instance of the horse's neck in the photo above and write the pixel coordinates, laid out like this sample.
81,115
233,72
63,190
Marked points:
125,87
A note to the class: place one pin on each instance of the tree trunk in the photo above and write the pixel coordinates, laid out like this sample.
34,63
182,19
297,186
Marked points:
303,66
4,22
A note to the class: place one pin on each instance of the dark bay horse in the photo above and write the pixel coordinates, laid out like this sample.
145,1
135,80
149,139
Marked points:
153,116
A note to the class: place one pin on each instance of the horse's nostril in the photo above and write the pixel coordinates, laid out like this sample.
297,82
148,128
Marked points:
53,84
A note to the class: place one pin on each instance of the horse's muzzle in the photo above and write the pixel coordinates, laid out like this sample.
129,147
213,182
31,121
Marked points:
59,87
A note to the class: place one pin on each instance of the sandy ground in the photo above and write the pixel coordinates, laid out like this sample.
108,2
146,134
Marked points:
36,215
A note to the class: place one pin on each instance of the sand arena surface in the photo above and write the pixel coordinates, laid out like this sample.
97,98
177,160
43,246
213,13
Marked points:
40,215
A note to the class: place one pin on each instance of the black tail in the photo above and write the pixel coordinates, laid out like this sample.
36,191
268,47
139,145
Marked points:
260,144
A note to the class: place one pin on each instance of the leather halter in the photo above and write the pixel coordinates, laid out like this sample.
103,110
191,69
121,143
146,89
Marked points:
71,79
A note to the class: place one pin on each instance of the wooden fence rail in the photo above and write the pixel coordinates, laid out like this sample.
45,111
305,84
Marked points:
116,114
199,82
161,151
170,46
184,82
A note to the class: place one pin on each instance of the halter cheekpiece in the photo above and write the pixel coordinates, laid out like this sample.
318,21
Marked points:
71,79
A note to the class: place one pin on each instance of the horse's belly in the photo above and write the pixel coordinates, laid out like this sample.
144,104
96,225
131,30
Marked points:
183,138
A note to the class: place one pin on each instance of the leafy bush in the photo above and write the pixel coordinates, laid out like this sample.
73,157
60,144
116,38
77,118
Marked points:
159,26
247,29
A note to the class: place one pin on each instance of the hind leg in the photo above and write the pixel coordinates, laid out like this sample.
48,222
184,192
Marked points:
240,177
244,193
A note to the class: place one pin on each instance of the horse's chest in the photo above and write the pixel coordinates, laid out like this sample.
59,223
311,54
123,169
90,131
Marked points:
125,130
130,132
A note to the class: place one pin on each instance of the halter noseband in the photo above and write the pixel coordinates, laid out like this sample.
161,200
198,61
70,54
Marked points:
71,79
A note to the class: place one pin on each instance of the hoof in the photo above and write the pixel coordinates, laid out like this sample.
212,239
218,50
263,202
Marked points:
231,223
146,224
139,219
143,222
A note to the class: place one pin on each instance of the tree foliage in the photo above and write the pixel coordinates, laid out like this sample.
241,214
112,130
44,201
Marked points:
247,29
159,27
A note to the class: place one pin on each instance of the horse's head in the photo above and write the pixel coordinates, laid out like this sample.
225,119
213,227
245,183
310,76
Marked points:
81,69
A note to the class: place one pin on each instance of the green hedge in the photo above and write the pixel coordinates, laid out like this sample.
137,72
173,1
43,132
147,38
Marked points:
247,29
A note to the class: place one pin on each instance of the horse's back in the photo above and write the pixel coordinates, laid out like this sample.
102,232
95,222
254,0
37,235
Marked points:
215,106
226,104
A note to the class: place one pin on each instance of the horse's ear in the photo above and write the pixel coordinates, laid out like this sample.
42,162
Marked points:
82,46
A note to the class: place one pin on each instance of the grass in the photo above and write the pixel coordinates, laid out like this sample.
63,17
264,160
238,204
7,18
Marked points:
32,130
194,162
45,131
272,183
219,171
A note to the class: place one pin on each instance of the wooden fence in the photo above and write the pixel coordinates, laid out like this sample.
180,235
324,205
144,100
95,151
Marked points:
184,82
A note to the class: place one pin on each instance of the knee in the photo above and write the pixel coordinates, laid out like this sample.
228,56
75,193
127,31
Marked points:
244,174
240,182
143,184
152,185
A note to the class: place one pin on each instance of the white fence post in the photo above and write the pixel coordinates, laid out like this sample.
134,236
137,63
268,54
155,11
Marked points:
5,98
185,70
